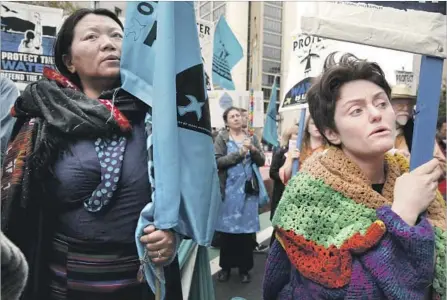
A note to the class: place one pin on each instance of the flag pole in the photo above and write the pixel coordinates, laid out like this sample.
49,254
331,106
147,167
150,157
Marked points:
275,82
251,110
251,107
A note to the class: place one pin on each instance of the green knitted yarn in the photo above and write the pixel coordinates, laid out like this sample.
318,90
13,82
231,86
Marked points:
439,283
310,208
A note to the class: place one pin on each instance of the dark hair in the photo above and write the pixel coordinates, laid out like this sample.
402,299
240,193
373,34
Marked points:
242,110
324,92
65,38
227,111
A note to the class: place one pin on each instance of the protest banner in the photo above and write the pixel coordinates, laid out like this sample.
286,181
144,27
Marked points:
28,33
206,36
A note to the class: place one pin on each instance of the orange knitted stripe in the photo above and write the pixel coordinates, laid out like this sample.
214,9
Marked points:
330,267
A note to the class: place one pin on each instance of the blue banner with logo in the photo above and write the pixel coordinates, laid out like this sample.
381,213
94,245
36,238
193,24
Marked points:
227,52
161,64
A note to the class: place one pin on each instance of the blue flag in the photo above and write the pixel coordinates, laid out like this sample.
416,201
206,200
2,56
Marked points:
270,133
161,64
226,53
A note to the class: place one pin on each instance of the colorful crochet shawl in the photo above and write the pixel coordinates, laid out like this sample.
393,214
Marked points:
328,214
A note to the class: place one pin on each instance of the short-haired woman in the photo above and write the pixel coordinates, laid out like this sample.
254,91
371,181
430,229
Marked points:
351,224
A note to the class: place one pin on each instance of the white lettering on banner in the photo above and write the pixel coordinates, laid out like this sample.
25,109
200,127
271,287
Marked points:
28,35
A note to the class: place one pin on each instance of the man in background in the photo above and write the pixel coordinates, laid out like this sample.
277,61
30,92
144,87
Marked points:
441,131
403,102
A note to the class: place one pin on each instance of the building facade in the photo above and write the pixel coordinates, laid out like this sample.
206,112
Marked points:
259,29
236,15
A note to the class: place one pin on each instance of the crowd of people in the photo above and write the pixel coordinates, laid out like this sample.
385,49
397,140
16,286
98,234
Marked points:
353,223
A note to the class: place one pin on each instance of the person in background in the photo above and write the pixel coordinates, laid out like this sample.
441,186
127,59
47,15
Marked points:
244,116
403,102
312,143
441,132
278,160
355,223
441,139
239,218
214,133
14,269
9,94
76,176
258,248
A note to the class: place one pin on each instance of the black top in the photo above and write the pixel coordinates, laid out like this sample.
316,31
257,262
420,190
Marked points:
278,161
378,187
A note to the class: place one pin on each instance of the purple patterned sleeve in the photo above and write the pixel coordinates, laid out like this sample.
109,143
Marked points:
277,272
401,266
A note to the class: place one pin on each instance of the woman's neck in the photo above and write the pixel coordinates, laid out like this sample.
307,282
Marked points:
236,132
92,92
373,168
94,89
315,142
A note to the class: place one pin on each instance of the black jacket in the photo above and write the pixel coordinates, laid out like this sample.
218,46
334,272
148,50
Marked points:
278,161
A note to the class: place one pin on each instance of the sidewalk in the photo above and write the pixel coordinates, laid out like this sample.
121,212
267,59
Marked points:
233,288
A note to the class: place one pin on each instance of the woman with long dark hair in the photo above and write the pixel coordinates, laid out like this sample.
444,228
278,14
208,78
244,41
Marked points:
75,177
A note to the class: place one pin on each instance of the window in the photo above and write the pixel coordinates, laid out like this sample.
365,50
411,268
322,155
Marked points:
273,12
273,26
205,8
272,53
267,93
266,106
118,11
271,66
275,3
272,39
268,80
218,12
